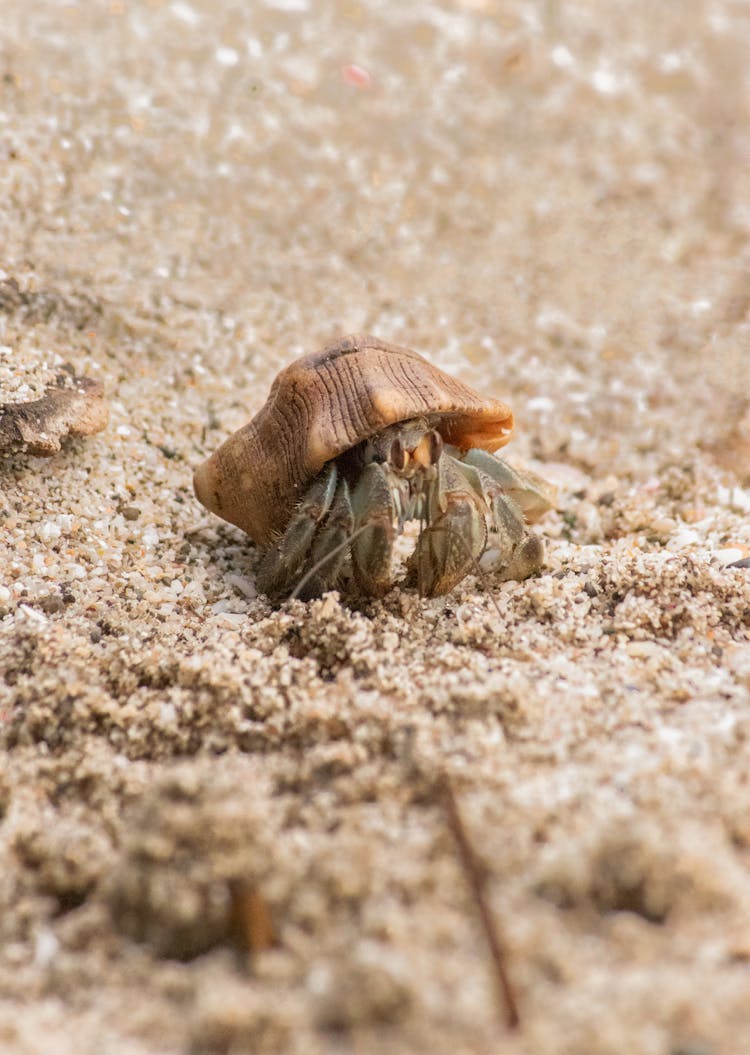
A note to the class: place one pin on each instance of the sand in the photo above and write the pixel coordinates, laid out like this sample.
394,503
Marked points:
220,825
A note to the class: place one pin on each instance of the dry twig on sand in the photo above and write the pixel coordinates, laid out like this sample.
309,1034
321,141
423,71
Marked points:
476,876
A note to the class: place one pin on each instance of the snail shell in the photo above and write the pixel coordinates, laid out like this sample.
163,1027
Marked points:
322,405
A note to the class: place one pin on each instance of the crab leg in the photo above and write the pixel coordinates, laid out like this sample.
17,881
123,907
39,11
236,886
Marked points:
506,521
374,513
531,493
455,534
526,560
283,565
330,547
514,496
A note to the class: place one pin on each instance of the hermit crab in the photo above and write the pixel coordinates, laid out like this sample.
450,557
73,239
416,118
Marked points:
354,441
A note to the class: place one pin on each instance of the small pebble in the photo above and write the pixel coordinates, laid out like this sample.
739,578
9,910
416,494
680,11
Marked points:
51,603
733,556
744,563
355,76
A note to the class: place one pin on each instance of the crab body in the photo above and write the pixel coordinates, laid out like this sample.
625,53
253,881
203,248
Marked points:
354,442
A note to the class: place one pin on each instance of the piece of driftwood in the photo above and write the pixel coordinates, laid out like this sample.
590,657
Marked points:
71,406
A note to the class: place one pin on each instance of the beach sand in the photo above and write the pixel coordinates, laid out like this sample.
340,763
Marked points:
221,827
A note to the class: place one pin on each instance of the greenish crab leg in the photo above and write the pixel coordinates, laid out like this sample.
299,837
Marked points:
329,548
506,521
372,544
514,496
455,534
526,560
533,495
283,565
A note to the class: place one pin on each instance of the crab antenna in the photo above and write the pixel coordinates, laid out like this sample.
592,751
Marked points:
436,447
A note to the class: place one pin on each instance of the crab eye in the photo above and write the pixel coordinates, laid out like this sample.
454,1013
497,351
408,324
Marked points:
398,456
428,450
435,448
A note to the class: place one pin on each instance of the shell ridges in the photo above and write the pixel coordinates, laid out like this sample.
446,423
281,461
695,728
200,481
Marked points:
322,405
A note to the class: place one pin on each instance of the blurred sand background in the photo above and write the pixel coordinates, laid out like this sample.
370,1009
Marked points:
551,199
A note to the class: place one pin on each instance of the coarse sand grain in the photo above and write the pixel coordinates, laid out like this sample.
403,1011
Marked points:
220,826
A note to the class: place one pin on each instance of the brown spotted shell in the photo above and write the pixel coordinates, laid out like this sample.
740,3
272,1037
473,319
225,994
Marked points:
321,406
